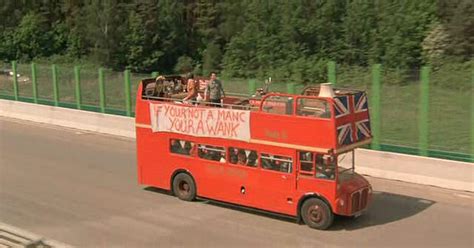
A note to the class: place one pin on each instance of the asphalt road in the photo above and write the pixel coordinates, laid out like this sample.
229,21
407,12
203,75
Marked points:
81,189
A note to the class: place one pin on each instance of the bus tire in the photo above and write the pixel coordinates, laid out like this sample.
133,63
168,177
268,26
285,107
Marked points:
316,214
184,187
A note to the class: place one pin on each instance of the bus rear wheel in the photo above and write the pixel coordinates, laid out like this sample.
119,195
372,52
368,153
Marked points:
184,187
316,214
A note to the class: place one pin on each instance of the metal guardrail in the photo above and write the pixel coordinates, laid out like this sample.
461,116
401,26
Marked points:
12,237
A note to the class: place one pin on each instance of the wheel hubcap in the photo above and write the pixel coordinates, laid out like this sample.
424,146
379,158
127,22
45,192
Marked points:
315,214
183,188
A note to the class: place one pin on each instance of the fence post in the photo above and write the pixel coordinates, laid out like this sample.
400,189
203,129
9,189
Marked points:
290,88
54,70
332,72
15,80
154,74
375,102
101,90
128,97
472,114
252,87
423,127
77,79
34,83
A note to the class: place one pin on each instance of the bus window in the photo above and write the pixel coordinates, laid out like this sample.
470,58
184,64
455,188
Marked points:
276,163
243,156
306,163
215,153
345,162
281,105
181,147
325,167
311,107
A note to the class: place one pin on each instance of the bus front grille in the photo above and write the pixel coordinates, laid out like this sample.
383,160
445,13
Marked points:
359,200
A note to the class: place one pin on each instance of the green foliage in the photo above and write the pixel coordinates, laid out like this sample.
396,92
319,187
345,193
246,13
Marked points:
184,65
457,15
288,40
32,37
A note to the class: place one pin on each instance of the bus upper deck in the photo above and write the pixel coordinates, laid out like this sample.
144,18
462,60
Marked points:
327,123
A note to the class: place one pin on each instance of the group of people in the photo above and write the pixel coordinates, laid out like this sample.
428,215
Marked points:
211,153
213,91
240,156
181,147
276,163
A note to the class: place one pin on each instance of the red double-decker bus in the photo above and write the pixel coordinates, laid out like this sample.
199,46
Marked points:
292,154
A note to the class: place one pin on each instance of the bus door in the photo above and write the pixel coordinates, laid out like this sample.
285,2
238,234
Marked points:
277,183
316,173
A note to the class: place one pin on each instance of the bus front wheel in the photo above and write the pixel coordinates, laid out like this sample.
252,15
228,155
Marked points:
316,214
184,187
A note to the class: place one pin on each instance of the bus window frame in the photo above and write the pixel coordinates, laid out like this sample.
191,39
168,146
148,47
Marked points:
293,170
210,160
335,170
242,165
304,173
296,98
328,101
191,152
344,169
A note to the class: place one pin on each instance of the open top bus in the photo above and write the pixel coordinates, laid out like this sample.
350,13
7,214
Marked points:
291,154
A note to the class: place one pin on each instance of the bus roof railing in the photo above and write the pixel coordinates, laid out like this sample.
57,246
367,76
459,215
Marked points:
190,103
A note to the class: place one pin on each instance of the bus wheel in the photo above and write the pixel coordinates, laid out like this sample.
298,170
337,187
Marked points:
184,187
316,214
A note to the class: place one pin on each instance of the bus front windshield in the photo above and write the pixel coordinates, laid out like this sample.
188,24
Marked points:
345,162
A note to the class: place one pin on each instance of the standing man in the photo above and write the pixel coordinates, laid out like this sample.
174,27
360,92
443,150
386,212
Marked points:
215,91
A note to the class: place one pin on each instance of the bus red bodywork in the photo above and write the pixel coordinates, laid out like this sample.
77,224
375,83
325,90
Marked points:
290,135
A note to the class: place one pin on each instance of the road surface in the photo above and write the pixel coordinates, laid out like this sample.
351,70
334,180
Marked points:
81,189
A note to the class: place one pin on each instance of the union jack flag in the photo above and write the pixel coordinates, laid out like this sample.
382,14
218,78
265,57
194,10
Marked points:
352,118
363,129
360,100
341,106
344,134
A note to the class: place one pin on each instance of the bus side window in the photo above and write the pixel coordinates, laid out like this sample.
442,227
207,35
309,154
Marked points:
281,105
276,163
306,163
325,167
181,147
214,153
243,157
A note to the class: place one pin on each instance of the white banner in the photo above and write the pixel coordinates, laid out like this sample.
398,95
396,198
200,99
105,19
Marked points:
202,122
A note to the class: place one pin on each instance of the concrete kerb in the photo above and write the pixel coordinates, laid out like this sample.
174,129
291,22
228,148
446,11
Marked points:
394,166
415,169
72,118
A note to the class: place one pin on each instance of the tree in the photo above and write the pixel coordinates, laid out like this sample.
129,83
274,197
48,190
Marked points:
32,37
435,44
457,17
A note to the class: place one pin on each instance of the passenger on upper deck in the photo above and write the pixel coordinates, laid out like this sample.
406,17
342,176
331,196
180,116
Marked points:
215,91
192,88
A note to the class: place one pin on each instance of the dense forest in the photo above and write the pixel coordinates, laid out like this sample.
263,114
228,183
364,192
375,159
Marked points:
247,38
